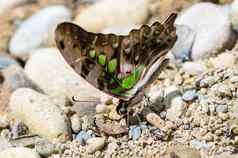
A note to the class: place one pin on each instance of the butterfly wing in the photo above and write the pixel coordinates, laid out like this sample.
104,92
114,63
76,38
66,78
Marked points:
115,64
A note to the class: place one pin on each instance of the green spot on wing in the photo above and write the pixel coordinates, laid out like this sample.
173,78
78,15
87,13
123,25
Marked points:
117,91
92,53
130,81
102,60
112,65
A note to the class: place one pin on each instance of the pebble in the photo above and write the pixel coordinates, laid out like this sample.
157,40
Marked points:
181,151
200,145
83,136
185,39
221,90
155,120
75,123
226,155
101,109
64,84
36,111
176,108
95,144
44,148
19,152
190,95
212,26
106,99
40,25
234,14
18,129
194,68
4,121
110,13
134,132
222,108
15,77
6,61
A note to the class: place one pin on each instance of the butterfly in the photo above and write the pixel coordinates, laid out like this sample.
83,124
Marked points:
121,66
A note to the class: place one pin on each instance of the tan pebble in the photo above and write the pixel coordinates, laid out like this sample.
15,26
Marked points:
223,116
101,109
75,123
106,99
95,144
155,120
208,137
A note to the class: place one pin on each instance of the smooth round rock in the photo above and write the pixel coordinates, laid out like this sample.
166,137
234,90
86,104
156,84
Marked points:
111,13
40,115
212,26
194,68
95,144
75,123
49,70
36,30
19,152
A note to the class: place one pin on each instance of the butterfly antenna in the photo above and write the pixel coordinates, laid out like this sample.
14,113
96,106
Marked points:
84,99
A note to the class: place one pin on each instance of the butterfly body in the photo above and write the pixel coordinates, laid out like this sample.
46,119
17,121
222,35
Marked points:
122,66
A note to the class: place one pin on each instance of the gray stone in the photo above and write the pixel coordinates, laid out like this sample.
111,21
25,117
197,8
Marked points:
212,26
83,136
75,123
37,29
222,108
194,68
37,111
5,62
45,148
176,109
134,132
200,145
190,95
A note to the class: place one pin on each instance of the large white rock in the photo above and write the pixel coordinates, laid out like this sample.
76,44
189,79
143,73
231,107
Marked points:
48,69
111,13
19,152
37,29
212,26
40,115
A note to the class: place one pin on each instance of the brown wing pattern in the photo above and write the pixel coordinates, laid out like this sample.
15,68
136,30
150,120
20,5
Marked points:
114,63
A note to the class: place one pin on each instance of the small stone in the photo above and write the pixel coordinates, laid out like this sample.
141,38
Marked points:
134,132
190,95
113,15
222,108
186,37
207,82
221,90
19,152
155,120
101,109
194,68
176,109
200,145
226,155
106,99
95,144
83,136
18,129
40,25
75,123
181,152
6,61
45,148
36,111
